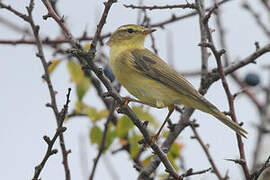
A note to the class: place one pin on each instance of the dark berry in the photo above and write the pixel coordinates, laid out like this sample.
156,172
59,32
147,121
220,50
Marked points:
252,79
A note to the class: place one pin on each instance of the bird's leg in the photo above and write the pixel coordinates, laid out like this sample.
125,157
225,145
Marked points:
155,137
129,99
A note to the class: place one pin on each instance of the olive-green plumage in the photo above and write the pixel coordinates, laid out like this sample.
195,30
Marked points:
151,80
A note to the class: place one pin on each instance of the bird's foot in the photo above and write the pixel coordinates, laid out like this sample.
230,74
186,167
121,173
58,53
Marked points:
125,101
154,139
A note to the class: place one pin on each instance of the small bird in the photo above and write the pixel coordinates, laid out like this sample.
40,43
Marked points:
153,81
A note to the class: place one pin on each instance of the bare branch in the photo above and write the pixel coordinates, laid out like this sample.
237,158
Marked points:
258,172
175,18
103,141
182,6
206,151
48,41
190,172
230,98
50,151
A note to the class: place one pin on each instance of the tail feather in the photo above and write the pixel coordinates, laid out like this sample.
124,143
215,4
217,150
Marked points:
227,121
204,105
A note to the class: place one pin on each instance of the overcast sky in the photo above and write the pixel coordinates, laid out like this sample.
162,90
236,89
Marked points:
25,119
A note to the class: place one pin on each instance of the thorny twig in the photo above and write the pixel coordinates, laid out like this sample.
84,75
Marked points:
230,98
50,142
58,115
190,172
182,6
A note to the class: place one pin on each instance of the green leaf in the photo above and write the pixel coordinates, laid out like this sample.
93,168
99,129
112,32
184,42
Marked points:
144,115
91,112
75,72
95,135
94,114
79,107
146,161
111,134
134,145
82,88
175,150
53,65
77,76
123,126
103,114
172,161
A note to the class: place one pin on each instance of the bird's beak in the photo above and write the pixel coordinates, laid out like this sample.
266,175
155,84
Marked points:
148,31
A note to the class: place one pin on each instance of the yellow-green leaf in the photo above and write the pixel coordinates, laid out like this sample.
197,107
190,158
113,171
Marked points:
144,115
103,114
172,161
174,153
134,145
147,160
82,88
123,126
91,112
79,107
94,114
53,65
163,176
111,134
175,150
76,72
95,135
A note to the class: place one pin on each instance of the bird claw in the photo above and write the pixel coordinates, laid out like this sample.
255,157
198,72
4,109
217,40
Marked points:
124,104
154,139
126,100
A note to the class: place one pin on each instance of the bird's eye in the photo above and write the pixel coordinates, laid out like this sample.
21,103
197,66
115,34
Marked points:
130,30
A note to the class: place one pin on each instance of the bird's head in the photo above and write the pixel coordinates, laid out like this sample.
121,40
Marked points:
129,36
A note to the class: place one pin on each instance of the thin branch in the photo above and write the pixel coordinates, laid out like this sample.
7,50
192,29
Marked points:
46,77
182,6
14,11
175,18
103,141
54,15
15,27
50,142
247,60
48,41
258,172
206,151
147,23
190,172
257,18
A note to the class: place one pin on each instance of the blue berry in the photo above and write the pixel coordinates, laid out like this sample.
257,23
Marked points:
252,79
109,74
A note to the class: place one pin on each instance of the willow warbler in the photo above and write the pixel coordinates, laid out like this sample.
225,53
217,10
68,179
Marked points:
151,80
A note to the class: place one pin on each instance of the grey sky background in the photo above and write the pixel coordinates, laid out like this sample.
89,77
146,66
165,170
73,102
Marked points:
25,119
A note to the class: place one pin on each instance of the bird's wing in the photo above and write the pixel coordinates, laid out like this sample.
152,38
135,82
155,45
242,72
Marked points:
147,63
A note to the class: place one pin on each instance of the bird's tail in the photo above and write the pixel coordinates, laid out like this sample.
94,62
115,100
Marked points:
228,122
205,106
